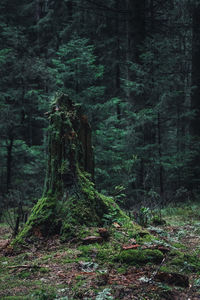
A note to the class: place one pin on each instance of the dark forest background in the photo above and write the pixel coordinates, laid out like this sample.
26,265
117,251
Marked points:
134,65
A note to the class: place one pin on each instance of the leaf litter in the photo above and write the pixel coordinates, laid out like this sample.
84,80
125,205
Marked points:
53,265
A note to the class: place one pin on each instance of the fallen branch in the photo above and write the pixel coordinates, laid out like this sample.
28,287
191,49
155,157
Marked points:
24,267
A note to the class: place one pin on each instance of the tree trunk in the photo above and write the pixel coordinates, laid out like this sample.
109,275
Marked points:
70,200
160,158
117,72
137,27
9,163
195,103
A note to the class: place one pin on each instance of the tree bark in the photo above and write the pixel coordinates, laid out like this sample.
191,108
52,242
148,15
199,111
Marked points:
69,145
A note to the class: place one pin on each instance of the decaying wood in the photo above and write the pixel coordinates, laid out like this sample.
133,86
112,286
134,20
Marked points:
92,239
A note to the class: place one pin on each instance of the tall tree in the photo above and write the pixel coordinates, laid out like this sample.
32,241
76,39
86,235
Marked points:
195,98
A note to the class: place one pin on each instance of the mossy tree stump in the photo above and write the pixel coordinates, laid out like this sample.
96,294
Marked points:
70,199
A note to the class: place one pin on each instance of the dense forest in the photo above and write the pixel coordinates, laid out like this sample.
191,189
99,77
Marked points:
133,66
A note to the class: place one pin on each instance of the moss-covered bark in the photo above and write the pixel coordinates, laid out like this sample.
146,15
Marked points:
69,146
70,199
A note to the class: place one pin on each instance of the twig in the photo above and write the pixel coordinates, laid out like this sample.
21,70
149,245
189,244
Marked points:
157,270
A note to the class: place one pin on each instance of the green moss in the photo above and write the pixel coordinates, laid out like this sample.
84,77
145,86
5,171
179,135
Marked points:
157,220
106,255
181,262
166,269
42,219
123,269
42,294
179,246
139,257
103,252
89,209
44,270
176,253
145,238
188,263
24,274
79,288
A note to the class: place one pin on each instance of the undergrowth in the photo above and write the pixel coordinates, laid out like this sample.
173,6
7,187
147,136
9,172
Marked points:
78,271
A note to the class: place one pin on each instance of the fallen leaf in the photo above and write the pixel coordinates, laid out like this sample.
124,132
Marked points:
116,225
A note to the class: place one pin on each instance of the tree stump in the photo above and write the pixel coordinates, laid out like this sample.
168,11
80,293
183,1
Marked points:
70,202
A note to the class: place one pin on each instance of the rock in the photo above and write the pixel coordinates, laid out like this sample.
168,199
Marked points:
173,279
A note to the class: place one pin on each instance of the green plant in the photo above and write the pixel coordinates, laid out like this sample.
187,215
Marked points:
143,216
197,282
119,194
157,220
43,295
104,295
24,274
111,217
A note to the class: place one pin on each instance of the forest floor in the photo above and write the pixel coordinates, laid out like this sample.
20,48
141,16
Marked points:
56,270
